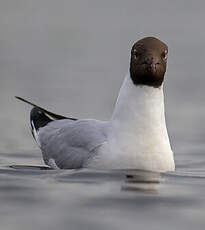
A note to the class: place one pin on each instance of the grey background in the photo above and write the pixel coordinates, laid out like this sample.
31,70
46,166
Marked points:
71,57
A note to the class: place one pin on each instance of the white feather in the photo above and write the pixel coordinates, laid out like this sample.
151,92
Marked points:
137,135
35,133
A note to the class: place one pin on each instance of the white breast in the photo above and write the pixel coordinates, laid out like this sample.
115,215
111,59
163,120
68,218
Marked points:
137,134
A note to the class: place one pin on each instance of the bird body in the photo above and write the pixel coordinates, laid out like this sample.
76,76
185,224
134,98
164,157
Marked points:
135,137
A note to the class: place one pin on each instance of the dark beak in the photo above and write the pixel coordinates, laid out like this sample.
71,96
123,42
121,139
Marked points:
150,65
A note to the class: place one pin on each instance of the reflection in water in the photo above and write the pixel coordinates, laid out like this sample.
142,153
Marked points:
32,167
98,199
139,180
131,180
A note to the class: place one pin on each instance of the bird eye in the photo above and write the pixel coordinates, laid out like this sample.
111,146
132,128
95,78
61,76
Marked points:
164,55
135,53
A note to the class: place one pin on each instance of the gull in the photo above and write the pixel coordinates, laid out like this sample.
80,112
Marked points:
136,135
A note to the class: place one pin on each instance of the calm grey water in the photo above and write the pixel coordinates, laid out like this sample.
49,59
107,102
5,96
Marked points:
71,58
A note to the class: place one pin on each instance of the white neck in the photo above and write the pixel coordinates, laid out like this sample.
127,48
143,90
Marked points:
139,109
138,134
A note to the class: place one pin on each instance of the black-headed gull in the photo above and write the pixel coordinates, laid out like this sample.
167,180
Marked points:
136,135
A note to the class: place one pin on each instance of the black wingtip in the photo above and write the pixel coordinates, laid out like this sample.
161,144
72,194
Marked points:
19,98
26,101
53,115
38,118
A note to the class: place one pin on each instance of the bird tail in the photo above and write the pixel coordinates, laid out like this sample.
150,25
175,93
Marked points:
40,117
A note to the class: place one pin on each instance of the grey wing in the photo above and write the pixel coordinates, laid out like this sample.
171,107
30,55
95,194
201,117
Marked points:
71,143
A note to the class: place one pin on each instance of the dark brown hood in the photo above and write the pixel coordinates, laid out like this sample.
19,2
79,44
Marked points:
148,62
